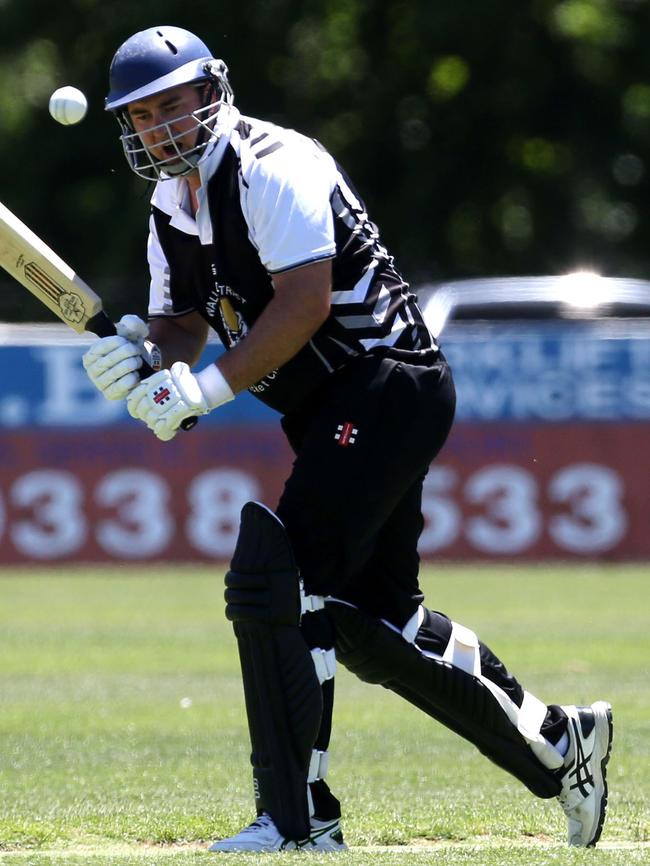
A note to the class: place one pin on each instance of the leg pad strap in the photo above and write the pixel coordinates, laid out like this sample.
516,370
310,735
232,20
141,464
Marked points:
318,766
449,692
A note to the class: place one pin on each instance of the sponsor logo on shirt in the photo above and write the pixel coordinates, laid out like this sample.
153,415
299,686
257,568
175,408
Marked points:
221,305
264,383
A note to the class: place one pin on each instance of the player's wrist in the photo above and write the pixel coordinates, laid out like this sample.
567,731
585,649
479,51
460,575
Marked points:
214,386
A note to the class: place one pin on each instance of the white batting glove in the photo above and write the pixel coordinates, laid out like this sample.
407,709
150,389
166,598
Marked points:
132,328
166,399
112,362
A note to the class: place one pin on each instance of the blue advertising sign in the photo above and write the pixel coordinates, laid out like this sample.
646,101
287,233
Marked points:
532,371
550,370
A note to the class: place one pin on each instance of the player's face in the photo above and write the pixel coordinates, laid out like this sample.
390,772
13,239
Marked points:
164,121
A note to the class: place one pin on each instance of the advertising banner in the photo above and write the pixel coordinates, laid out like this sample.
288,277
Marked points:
499,491
529,371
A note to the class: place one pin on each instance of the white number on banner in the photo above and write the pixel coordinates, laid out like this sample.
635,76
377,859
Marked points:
584,514
143,526
58,526
512,521
441,514
597,520
216,498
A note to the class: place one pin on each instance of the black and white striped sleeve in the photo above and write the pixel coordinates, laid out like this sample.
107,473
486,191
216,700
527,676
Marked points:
286,201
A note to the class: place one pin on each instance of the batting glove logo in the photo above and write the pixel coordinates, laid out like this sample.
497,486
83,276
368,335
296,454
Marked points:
161,395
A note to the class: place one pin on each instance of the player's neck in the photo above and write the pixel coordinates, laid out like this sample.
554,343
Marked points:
193,185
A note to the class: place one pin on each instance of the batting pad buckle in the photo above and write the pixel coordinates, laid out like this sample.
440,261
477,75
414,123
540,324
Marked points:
310,603
325,664
318,765
463,650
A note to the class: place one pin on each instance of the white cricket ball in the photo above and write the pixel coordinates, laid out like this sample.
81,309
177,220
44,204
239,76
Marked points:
68,105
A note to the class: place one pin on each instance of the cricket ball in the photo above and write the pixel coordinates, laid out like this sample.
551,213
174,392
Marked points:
68,105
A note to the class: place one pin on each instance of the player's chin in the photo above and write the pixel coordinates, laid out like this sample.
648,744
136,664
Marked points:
174,160
165,154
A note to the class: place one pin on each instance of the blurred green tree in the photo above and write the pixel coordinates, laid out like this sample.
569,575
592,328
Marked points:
501,137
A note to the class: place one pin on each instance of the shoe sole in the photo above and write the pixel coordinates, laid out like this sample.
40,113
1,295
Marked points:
603,719
250,848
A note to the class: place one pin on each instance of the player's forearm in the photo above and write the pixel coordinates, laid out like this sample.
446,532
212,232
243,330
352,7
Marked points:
279,334
299,307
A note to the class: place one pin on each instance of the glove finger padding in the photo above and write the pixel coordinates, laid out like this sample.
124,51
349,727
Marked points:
137,401
164,431
165,399
132,328
120,380
152,397
98,357
111,364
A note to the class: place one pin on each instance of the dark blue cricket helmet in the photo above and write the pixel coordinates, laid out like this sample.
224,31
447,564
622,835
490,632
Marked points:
156,60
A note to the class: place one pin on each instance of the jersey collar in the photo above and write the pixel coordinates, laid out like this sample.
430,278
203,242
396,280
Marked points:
170,195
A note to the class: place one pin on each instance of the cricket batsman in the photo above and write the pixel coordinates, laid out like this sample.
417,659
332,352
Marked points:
258,234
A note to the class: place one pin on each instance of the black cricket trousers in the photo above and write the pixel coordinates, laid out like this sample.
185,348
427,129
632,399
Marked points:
352,503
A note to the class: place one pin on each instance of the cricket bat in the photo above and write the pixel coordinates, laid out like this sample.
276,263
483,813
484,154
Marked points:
42,272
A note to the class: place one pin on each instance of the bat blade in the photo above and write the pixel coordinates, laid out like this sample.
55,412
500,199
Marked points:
38,268
42,272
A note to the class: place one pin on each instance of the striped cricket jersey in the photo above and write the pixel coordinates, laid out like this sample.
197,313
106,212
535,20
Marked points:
272,200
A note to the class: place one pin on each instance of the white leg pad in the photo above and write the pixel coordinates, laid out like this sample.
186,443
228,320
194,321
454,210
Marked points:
325,664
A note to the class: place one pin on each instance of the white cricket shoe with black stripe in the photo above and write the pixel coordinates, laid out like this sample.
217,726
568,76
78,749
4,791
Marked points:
583,777
325,836
263,836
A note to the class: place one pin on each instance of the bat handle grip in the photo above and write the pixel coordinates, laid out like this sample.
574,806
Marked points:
102,326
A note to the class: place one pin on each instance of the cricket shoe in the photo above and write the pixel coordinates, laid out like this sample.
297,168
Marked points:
263,836
325,836
583,776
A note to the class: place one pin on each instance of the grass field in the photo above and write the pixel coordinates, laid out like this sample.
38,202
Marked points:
123,738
